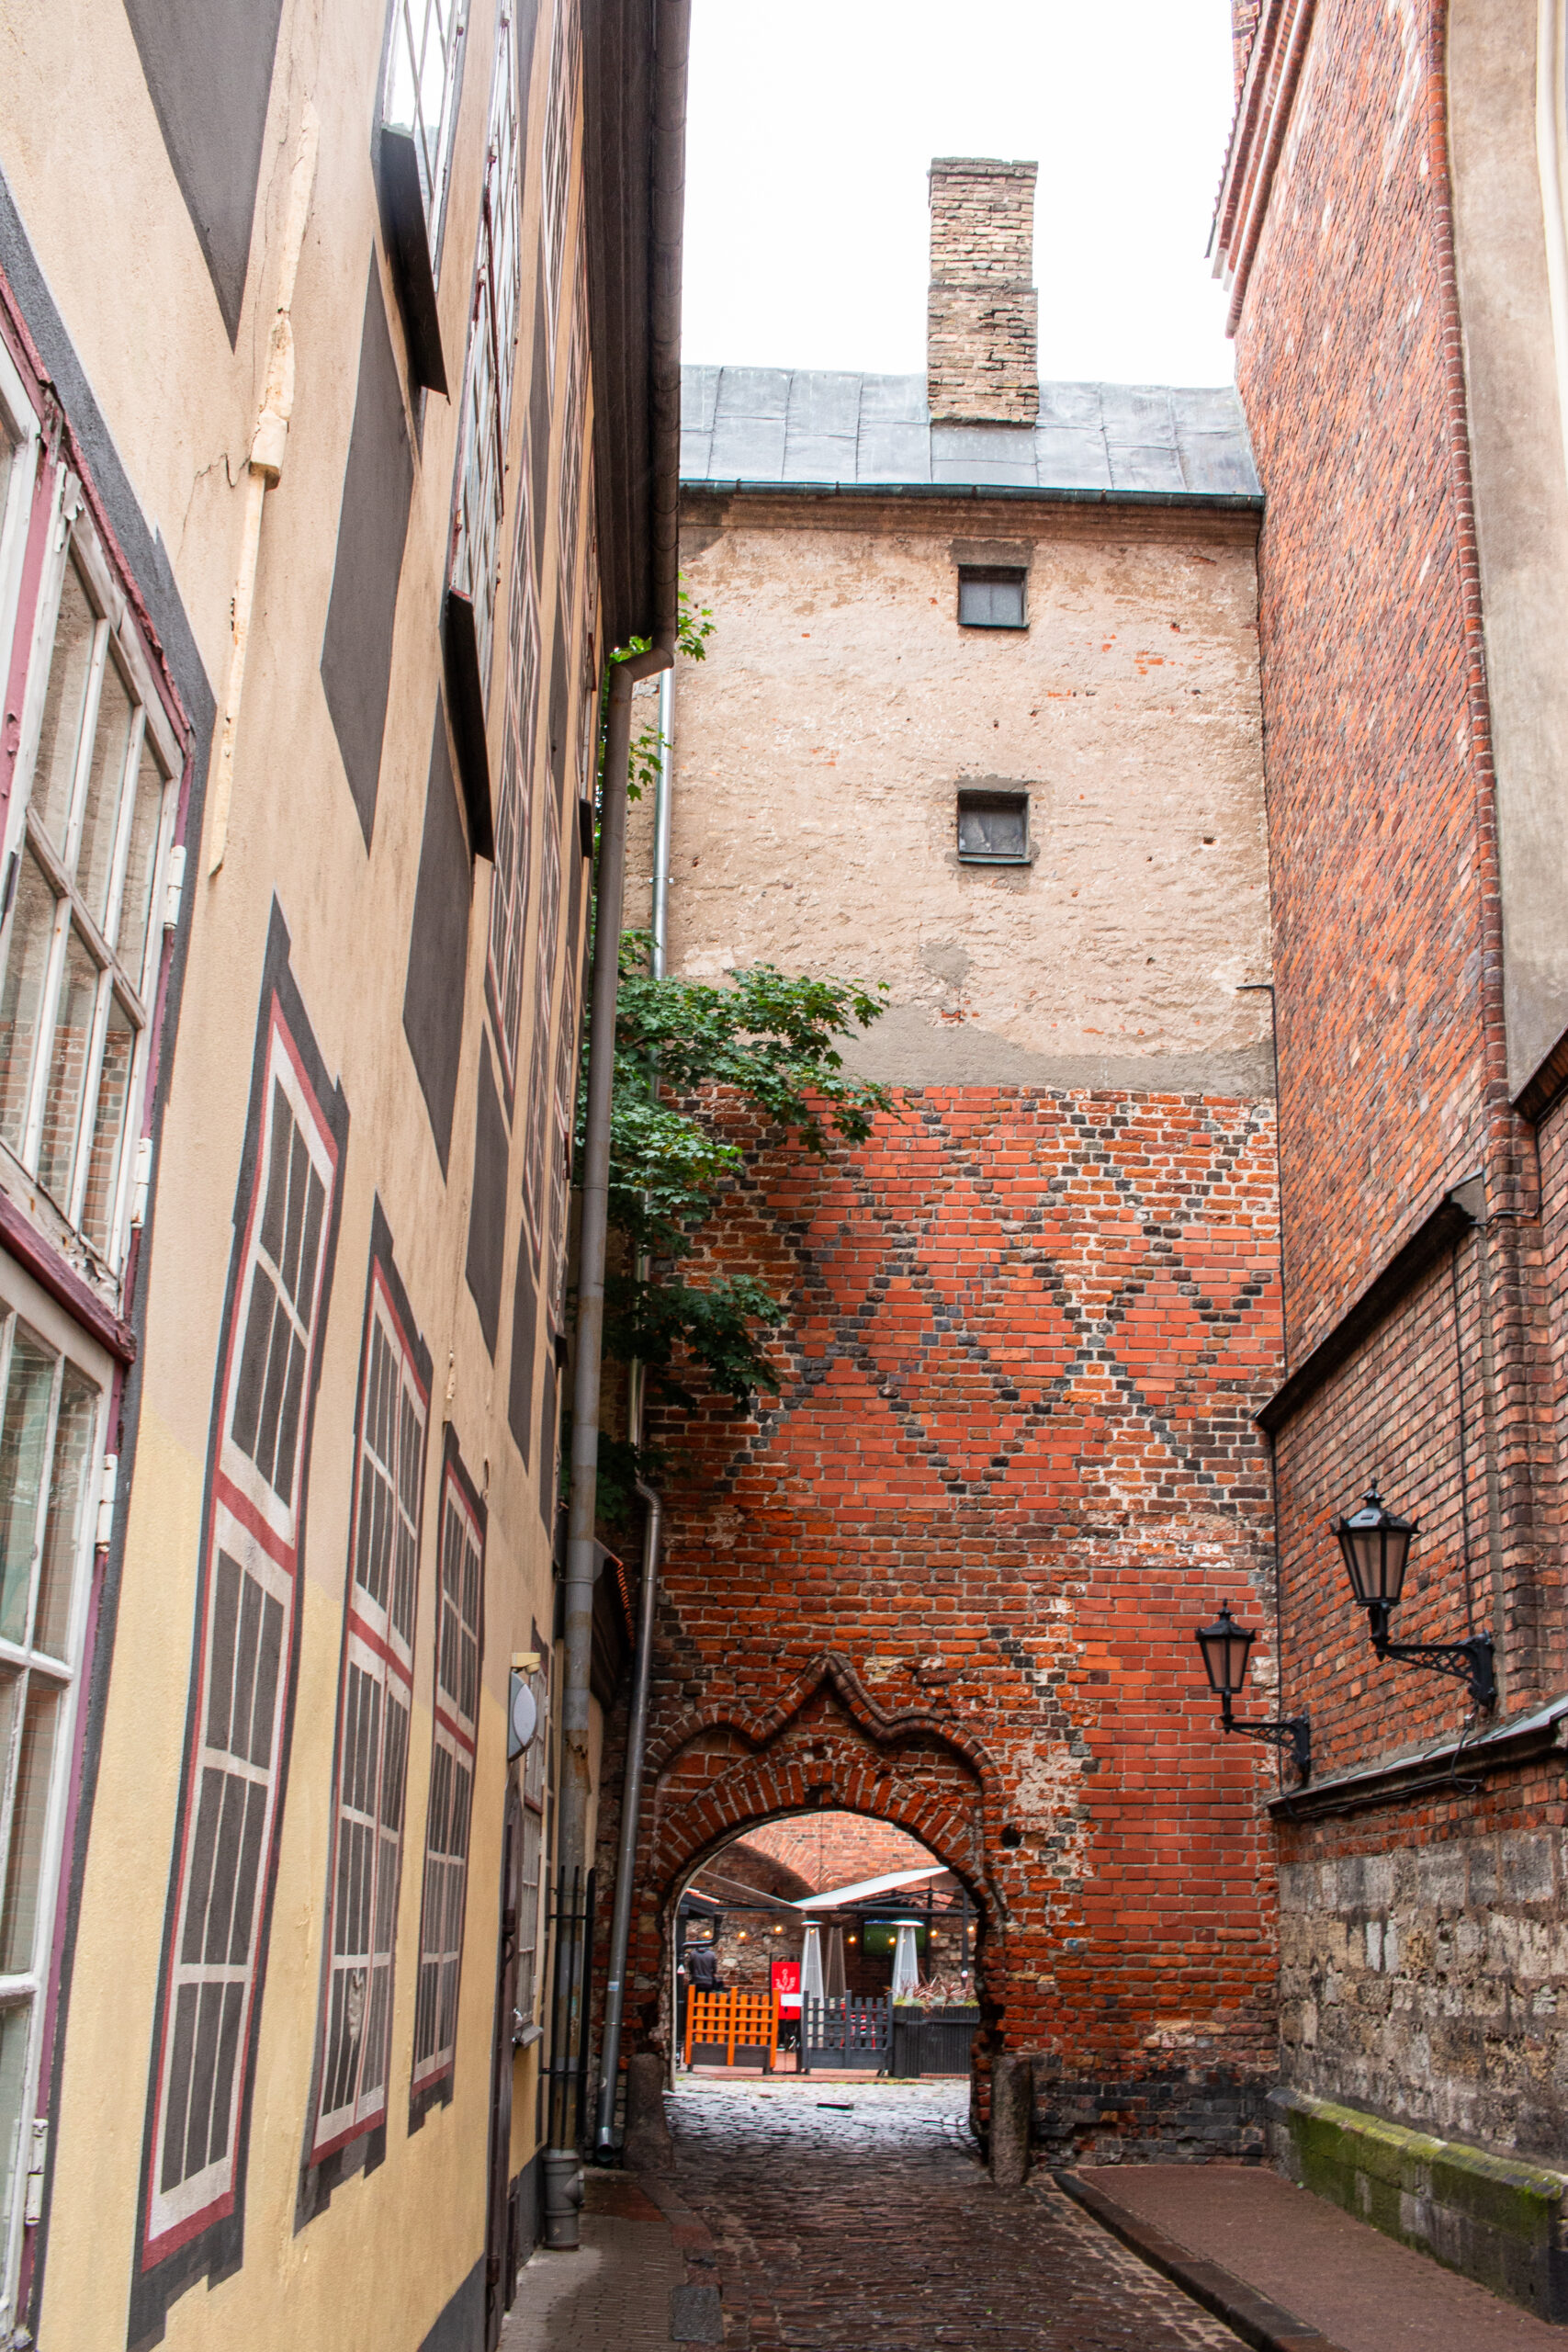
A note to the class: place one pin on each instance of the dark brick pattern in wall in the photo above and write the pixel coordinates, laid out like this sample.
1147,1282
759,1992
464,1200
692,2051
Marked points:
951,1577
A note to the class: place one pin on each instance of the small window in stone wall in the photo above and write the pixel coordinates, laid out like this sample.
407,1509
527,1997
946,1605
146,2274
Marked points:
993,827
990,596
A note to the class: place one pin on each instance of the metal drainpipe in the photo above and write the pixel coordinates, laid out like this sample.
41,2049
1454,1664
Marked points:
648,1599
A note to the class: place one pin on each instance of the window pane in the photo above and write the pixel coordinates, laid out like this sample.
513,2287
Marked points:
68,667
32,930
70,1499
14,2028
106,778
67,1071
30,1806
108,1127
993,828
23,1436
140,866
991,599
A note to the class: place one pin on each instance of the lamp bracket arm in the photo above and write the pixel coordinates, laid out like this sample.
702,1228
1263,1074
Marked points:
1293,1732
1472,1662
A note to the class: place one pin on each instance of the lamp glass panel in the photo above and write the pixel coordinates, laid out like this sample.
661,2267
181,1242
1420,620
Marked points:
1225,1645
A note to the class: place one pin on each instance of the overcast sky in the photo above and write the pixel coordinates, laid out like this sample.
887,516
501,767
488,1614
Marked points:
811,127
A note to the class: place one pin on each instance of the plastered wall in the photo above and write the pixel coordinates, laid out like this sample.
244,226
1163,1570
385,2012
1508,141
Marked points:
179,397
821,745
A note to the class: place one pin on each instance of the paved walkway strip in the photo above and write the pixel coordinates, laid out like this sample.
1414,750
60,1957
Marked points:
1293,2250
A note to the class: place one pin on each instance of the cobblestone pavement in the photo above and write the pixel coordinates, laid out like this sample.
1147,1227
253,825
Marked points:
854,2217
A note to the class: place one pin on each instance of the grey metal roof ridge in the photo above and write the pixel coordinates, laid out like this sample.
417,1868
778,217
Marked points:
1248,501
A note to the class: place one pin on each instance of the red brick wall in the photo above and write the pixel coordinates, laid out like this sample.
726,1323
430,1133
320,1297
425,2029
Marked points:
1342,361
950,1578
1244,24
839,1849
1388,960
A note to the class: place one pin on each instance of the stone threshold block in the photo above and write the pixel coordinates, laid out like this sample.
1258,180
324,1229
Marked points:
1493,2219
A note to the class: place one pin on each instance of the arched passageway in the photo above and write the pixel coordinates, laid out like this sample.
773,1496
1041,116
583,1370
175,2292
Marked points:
825,1752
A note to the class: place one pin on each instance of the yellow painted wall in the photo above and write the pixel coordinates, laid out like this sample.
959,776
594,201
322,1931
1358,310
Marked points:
83,154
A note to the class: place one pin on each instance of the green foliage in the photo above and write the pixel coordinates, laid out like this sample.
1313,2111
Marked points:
693,627
769,1041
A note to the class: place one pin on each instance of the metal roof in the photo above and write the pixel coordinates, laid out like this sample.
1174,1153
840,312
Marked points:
798,425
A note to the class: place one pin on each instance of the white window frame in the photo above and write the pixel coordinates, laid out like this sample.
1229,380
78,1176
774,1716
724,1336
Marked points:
563,1122
560,129
512,872
20,1295
432,143
257,1528
455,1738
73,536
547,942
380,1649
21,420
568,528
531,1889
490,367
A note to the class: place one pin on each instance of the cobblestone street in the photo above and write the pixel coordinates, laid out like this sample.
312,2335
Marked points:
856,2215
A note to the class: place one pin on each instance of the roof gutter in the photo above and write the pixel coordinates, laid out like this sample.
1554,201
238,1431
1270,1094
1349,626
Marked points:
1221,501
672,27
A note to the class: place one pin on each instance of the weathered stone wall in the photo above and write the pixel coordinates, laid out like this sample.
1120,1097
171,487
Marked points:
982,319
1424,1963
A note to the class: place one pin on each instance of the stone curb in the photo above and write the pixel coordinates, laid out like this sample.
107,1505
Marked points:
1254,2319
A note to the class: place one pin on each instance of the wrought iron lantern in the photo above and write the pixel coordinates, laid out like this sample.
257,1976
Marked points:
1226,1646
1375,1542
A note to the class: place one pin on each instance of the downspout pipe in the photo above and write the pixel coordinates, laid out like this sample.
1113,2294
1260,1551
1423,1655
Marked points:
672,39
631,1806
647,1598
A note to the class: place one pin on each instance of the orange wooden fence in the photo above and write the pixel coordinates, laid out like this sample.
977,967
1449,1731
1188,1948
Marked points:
734,2020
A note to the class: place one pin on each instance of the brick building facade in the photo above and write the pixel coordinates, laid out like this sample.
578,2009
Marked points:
1391,228
950,1578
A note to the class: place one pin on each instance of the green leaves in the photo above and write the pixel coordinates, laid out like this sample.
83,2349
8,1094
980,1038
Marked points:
765,1043
767,1036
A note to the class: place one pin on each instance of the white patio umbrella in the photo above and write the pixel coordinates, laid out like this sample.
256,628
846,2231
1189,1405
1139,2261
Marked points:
906,1962
811,1965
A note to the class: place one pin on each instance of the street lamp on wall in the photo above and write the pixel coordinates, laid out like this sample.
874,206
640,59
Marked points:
1375,1544
1225,1645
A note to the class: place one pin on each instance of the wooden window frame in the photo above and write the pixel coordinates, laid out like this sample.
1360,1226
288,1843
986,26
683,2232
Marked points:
455,1678
253,1532
512,875
379,1648
23,1991
54,502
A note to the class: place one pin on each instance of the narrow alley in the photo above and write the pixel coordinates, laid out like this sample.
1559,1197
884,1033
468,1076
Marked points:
814,2213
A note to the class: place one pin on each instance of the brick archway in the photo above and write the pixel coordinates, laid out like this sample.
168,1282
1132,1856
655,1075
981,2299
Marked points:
715,1772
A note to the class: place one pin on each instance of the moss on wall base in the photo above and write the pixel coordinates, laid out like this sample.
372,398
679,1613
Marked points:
1493,2218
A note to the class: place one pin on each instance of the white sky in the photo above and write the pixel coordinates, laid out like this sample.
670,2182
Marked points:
811,127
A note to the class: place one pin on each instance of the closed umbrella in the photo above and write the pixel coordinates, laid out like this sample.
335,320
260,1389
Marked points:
906,1962
811,1965
838,1984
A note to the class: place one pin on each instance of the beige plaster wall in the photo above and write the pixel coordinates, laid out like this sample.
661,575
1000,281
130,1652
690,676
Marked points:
820,747
86,163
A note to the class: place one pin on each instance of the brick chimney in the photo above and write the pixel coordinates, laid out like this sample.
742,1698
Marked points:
982,317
